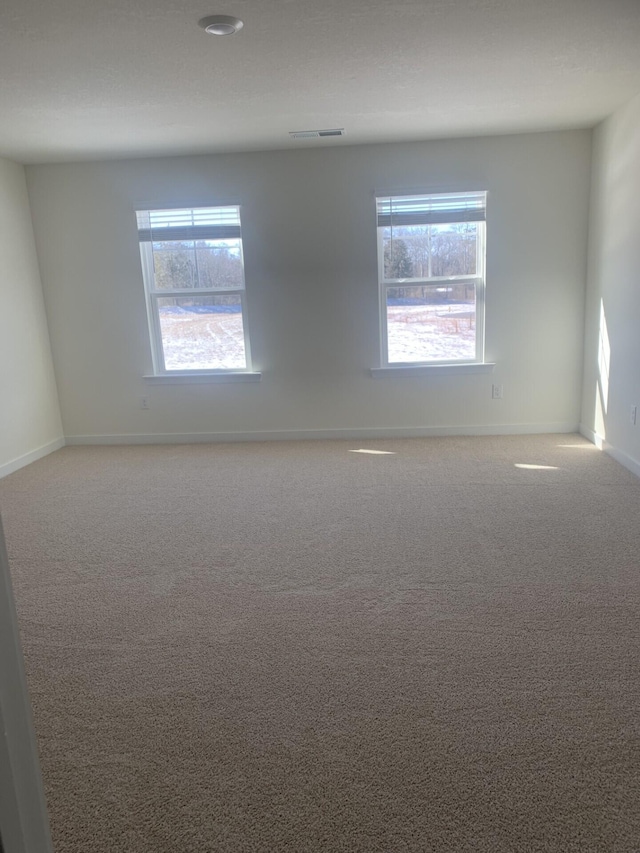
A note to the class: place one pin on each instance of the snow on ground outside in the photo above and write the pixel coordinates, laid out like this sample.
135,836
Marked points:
198,341
431,332
201,341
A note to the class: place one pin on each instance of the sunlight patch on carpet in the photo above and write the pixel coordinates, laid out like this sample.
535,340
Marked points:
580,446
536,467
375,452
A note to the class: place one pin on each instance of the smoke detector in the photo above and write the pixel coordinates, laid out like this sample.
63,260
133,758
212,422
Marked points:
316,134
221,25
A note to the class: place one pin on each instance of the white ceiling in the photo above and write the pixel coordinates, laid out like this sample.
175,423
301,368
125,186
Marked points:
86,79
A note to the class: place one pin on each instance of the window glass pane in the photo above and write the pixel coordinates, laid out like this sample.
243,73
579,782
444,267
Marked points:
431,323
174,266
426,251
220,264
204,263
202,332
454,249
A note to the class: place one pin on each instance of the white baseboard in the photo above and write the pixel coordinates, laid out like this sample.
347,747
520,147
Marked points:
33,456
301,434
624,459
619,455
591,436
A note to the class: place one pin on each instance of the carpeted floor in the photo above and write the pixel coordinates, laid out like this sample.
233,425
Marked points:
294,647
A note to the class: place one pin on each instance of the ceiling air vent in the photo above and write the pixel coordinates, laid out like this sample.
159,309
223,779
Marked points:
316,134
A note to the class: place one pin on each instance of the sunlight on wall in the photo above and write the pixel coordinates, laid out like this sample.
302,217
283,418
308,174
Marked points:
604,362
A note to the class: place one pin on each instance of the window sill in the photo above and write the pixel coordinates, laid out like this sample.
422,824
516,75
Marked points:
431,370
203,378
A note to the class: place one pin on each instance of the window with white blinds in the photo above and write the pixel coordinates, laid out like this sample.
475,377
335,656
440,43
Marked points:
193,274
431,268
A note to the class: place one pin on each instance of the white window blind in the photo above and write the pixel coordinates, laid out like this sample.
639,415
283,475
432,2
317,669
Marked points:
442,208
203,223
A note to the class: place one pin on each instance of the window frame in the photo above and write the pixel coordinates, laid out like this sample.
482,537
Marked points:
153,294
478,279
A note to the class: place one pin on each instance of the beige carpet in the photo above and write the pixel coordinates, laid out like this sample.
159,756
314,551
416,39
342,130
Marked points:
294,647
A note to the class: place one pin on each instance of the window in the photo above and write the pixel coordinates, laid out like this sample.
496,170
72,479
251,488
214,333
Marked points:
431,251
194,283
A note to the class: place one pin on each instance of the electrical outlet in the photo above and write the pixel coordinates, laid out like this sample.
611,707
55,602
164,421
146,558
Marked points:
496,392
634,415
144,402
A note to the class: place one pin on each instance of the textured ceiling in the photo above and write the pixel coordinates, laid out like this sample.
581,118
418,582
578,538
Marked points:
82,79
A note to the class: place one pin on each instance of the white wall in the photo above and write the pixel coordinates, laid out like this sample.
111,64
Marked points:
29,414
612,344
310,254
